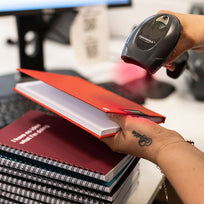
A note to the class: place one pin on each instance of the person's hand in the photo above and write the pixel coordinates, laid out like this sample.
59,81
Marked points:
140,137
192,35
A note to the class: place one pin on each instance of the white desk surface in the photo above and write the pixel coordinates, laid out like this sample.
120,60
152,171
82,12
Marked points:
184,114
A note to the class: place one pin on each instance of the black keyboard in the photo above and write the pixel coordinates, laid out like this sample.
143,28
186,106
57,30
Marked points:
13,106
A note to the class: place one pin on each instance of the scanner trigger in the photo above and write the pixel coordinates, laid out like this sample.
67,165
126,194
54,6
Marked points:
180,65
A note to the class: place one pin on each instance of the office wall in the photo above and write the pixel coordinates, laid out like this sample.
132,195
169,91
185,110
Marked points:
122,20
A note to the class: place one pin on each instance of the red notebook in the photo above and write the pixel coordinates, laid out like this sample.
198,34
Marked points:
81,102
56,141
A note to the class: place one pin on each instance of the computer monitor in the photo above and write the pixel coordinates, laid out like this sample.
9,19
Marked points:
30,17
15,7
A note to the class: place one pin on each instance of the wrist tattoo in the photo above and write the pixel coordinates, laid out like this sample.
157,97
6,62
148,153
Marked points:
143,139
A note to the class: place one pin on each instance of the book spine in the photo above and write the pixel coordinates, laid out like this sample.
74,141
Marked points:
69,167
52,175
50,189
47,198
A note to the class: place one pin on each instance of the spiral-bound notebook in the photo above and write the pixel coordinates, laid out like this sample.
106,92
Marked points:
53,142
18,194
81,102
12,198
33,183
26,193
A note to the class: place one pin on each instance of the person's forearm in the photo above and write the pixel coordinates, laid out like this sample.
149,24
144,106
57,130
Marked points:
183,164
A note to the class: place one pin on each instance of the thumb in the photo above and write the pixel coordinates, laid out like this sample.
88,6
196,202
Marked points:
118,118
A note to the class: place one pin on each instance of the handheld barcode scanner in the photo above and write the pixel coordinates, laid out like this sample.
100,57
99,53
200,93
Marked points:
151,43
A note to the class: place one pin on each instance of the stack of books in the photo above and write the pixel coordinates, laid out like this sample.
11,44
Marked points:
46,159
50,159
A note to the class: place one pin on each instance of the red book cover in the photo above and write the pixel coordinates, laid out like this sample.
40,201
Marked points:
91,94
57,139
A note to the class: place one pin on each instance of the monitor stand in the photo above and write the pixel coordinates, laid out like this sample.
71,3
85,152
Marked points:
31,50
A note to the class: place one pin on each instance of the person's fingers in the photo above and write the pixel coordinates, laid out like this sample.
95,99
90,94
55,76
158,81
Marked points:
169,66
178,50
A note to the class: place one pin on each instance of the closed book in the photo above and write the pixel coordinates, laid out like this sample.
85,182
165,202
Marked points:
81,102
52,143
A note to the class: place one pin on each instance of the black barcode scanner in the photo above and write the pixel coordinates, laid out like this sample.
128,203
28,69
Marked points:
151,43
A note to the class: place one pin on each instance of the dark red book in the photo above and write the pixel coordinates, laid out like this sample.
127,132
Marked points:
55,141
